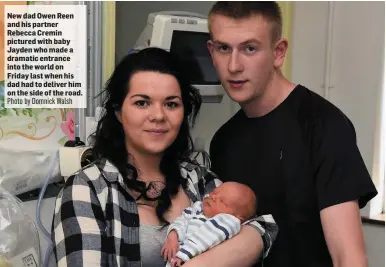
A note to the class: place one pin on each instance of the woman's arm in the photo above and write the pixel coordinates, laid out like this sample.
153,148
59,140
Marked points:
243,250
78,227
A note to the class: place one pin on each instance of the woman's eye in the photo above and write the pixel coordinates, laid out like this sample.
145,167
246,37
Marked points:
172,104
141,103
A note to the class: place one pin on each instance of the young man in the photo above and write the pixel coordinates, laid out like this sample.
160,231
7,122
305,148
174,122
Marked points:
296,150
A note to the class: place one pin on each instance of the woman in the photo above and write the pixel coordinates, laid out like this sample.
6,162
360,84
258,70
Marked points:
115,211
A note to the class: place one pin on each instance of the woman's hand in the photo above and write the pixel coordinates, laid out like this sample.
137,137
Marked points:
170,248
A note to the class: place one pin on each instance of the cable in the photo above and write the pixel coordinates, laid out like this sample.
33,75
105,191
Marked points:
48,255
41,195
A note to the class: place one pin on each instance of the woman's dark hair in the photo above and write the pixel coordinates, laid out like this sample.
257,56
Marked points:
109,138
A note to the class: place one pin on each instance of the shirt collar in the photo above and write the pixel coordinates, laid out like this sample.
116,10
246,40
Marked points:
110,172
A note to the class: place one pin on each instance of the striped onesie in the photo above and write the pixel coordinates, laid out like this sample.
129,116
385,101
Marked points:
197,233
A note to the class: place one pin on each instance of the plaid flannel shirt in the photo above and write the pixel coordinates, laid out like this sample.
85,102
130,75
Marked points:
96,220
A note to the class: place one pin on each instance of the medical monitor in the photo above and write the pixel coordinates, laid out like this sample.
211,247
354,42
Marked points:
185,34
192,50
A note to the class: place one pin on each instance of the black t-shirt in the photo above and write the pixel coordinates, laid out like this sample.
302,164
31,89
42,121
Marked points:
299,159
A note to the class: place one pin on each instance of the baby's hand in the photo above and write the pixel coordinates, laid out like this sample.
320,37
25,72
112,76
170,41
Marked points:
170,248
176,262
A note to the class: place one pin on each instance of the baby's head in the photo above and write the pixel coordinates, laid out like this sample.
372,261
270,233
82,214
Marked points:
231,198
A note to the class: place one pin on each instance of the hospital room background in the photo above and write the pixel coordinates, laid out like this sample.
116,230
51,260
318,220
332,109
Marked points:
336,49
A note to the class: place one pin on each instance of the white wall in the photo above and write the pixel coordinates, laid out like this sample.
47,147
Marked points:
375,244
356,75
309,44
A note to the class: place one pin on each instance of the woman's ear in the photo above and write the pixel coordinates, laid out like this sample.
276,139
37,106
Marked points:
118,115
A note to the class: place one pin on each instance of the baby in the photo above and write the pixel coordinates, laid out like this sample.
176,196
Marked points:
208,223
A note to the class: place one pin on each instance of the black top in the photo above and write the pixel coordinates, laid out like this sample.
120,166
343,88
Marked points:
299,159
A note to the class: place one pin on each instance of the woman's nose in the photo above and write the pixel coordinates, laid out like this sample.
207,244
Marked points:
157,113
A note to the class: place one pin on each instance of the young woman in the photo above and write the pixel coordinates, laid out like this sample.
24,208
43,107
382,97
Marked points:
114,212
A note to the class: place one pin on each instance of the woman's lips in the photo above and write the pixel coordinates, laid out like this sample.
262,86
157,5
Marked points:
156,132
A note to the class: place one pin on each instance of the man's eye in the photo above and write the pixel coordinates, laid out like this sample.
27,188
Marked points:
250,49
141,103
223,48
172,105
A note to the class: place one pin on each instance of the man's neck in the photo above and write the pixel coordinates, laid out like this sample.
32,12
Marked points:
276,92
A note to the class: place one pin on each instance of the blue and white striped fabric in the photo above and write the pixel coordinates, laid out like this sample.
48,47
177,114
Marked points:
197,233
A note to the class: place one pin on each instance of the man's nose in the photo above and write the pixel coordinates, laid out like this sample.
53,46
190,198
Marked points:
235,64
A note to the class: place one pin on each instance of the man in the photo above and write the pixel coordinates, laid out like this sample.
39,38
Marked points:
296,150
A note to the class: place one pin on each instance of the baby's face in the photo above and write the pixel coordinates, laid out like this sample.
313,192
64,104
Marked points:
224,199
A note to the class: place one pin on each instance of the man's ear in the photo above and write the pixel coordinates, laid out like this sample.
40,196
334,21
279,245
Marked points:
209,44
280,50
118,115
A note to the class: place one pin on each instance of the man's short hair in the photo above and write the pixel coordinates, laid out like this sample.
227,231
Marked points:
243,9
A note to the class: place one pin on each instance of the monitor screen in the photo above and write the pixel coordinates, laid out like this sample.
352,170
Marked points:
192,50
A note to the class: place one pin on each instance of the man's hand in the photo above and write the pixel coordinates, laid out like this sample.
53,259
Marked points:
170,248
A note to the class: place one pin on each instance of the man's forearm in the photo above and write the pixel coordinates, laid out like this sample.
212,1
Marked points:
359,260
343,232
243,250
